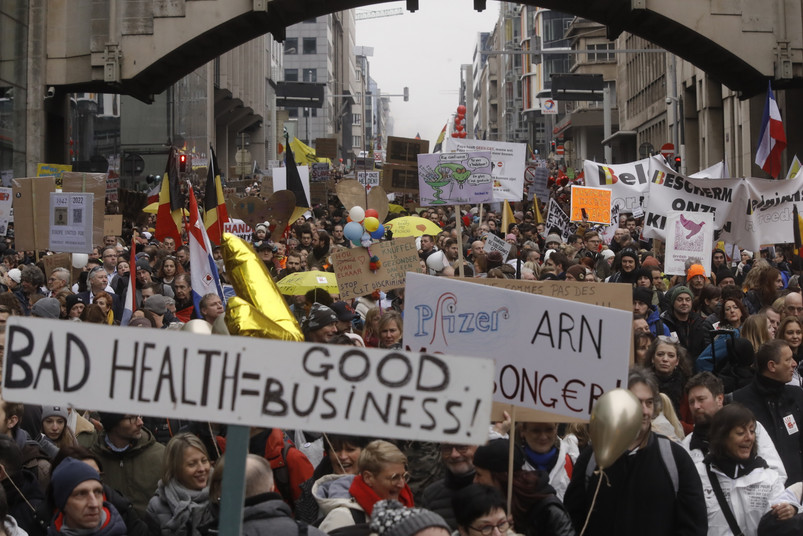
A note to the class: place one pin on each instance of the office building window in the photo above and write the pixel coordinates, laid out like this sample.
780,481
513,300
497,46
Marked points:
310,75
356,119
291,75
310,45
292,112
291,45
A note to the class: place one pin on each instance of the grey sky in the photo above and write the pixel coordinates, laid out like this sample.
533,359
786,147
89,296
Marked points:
424,51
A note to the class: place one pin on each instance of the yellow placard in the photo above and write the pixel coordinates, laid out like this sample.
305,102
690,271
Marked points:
596,202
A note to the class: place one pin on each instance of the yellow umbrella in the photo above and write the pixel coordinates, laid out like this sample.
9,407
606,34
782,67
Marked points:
153,208
395,208
412,226
302,282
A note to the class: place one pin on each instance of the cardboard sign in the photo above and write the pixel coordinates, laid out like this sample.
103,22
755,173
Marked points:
400,179
248,381
112,224
553,355
355,278
596,202
405,151
494,243
613,295
94,183
31,215
53,170
57,260
455,178
688,235
326,147
71,222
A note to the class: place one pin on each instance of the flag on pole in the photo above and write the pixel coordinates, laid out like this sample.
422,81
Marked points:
171,202
507,217
439,143
772,139
537,211
153,193
293,178
130,304
203,270
215,213
794,168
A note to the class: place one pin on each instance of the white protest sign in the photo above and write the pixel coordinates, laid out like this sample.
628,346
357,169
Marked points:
494,243
629,183
280,179
239,228
248,381
368,178
688,235
5,210
508,164
71,222
553,355
557,219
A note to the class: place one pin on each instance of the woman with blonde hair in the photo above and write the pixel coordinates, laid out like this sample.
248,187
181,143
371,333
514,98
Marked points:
347,500
370,333
756,330
183,490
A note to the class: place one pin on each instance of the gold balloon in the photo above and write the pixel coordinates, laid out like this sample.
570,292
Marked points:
198,325
258,310
615,424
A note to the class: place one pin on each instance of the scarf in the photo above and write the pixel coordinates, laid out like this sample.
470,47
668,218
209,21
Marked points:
543,462
69,531
181,501
735,468
367,497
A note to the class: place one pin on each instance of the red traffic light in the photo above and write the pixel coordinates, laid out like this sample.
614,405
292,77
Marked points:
182,162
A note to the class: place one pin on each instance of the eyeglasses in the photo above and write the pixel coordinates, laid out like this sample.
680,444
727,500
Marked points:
667,338
397,478
793,308
487,530
447,448
132,419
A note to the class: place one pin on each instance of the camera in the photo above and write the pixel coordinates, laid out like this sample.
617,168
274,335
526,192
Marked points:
51,92
668,101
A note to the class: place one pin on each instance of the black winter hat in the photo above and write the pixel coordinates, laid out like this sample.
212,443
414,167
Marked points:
644,295
493,456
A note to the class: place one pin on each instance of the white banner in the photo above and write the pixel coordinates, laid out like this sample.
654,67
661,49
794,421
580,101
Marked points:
248,381
509,161
717,171
629,183
688,235
553,355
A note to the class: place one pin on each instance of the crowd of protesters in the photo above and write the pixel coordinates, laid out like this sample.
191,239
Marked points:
718,452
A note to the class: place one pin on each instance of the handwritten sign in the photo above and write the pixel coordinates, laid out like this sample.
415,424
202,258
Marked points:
596,202
614,295
53,170
239,228
71,222
112,224
557,219
354,276
554,355
455,178
368,178
248,381
494,243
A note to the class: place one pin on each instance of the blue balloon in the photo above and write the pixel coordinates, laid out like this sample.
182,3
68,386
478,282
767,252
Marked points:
353,231
379,233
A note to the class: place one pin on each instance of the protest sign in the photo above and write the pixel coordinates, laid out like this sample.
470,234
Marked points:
248,381
614,295
280,179
688,235
494,243
405,151
596,202
31,205
5,177
71,222
53,170
557,219
508,161
319,172
5,209
325,148
454,178
112,224
59,260
400,179
94,183
540,183
559,356
629,183
354,276
112,186
239,228
369,179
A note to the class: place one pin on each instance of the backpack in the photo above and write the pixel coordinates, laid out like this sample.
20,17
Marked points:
281,474
665,446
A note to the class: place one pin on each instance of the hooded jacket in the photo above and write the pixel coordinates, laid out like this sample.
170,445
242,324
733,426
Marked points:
269,514
332,494
134,472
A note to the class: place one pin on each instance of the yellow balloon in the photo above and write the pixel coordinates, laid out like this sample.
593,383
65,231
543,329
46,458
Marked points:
615,424
258,310
371,224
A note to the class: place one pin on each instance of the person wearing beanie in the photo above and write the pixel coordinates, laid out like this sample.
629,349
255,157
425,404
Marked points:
686,325
553,241
724,276
81,503
75,306
320,325
696,278
392,518
55,433
46,308
624,267
642,304
350,499
576,272
131,457
535,505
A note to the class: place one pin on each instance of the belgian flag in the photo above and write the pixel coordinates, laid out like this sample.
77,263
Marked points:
171,202
797,223
215,213
607,176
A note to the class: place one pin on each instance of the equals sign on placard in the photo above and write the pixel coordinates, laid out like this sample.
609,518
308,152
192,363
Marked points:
250,376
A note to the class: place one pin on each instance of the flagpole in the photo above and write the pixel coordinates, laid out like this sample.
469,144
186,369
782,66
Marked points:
458,217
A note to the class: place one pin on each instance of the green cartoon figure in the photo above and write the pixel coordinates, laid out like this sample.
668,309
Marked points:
443,174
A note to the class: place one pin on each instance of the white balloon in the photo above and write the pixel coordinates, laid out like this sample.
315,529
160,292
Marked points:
357,214
79,260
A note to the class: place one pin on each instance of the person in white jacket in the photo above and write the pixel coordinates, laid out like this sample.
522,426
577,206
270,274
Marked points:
735,479
545,451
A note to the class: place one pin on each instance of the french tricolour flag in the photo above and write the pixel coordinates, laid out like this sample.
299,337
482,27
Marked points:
771,140
131,293
203,270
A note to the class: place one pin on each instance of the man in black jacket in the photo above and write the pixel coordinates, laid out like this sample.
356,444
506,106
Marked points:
652,488
776,405
458,460
684,324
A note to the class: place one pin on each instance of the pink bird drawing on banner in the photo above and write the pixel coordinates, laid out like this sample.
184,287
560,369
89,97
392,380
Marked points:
693,227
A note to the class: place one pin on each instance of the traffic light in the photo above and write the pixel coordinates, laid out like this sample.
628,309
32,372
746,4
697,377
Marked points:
182,163
677,163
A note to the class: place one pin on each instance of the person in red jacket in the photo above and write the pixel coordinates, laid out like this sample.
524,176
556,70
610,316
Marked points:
290,466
